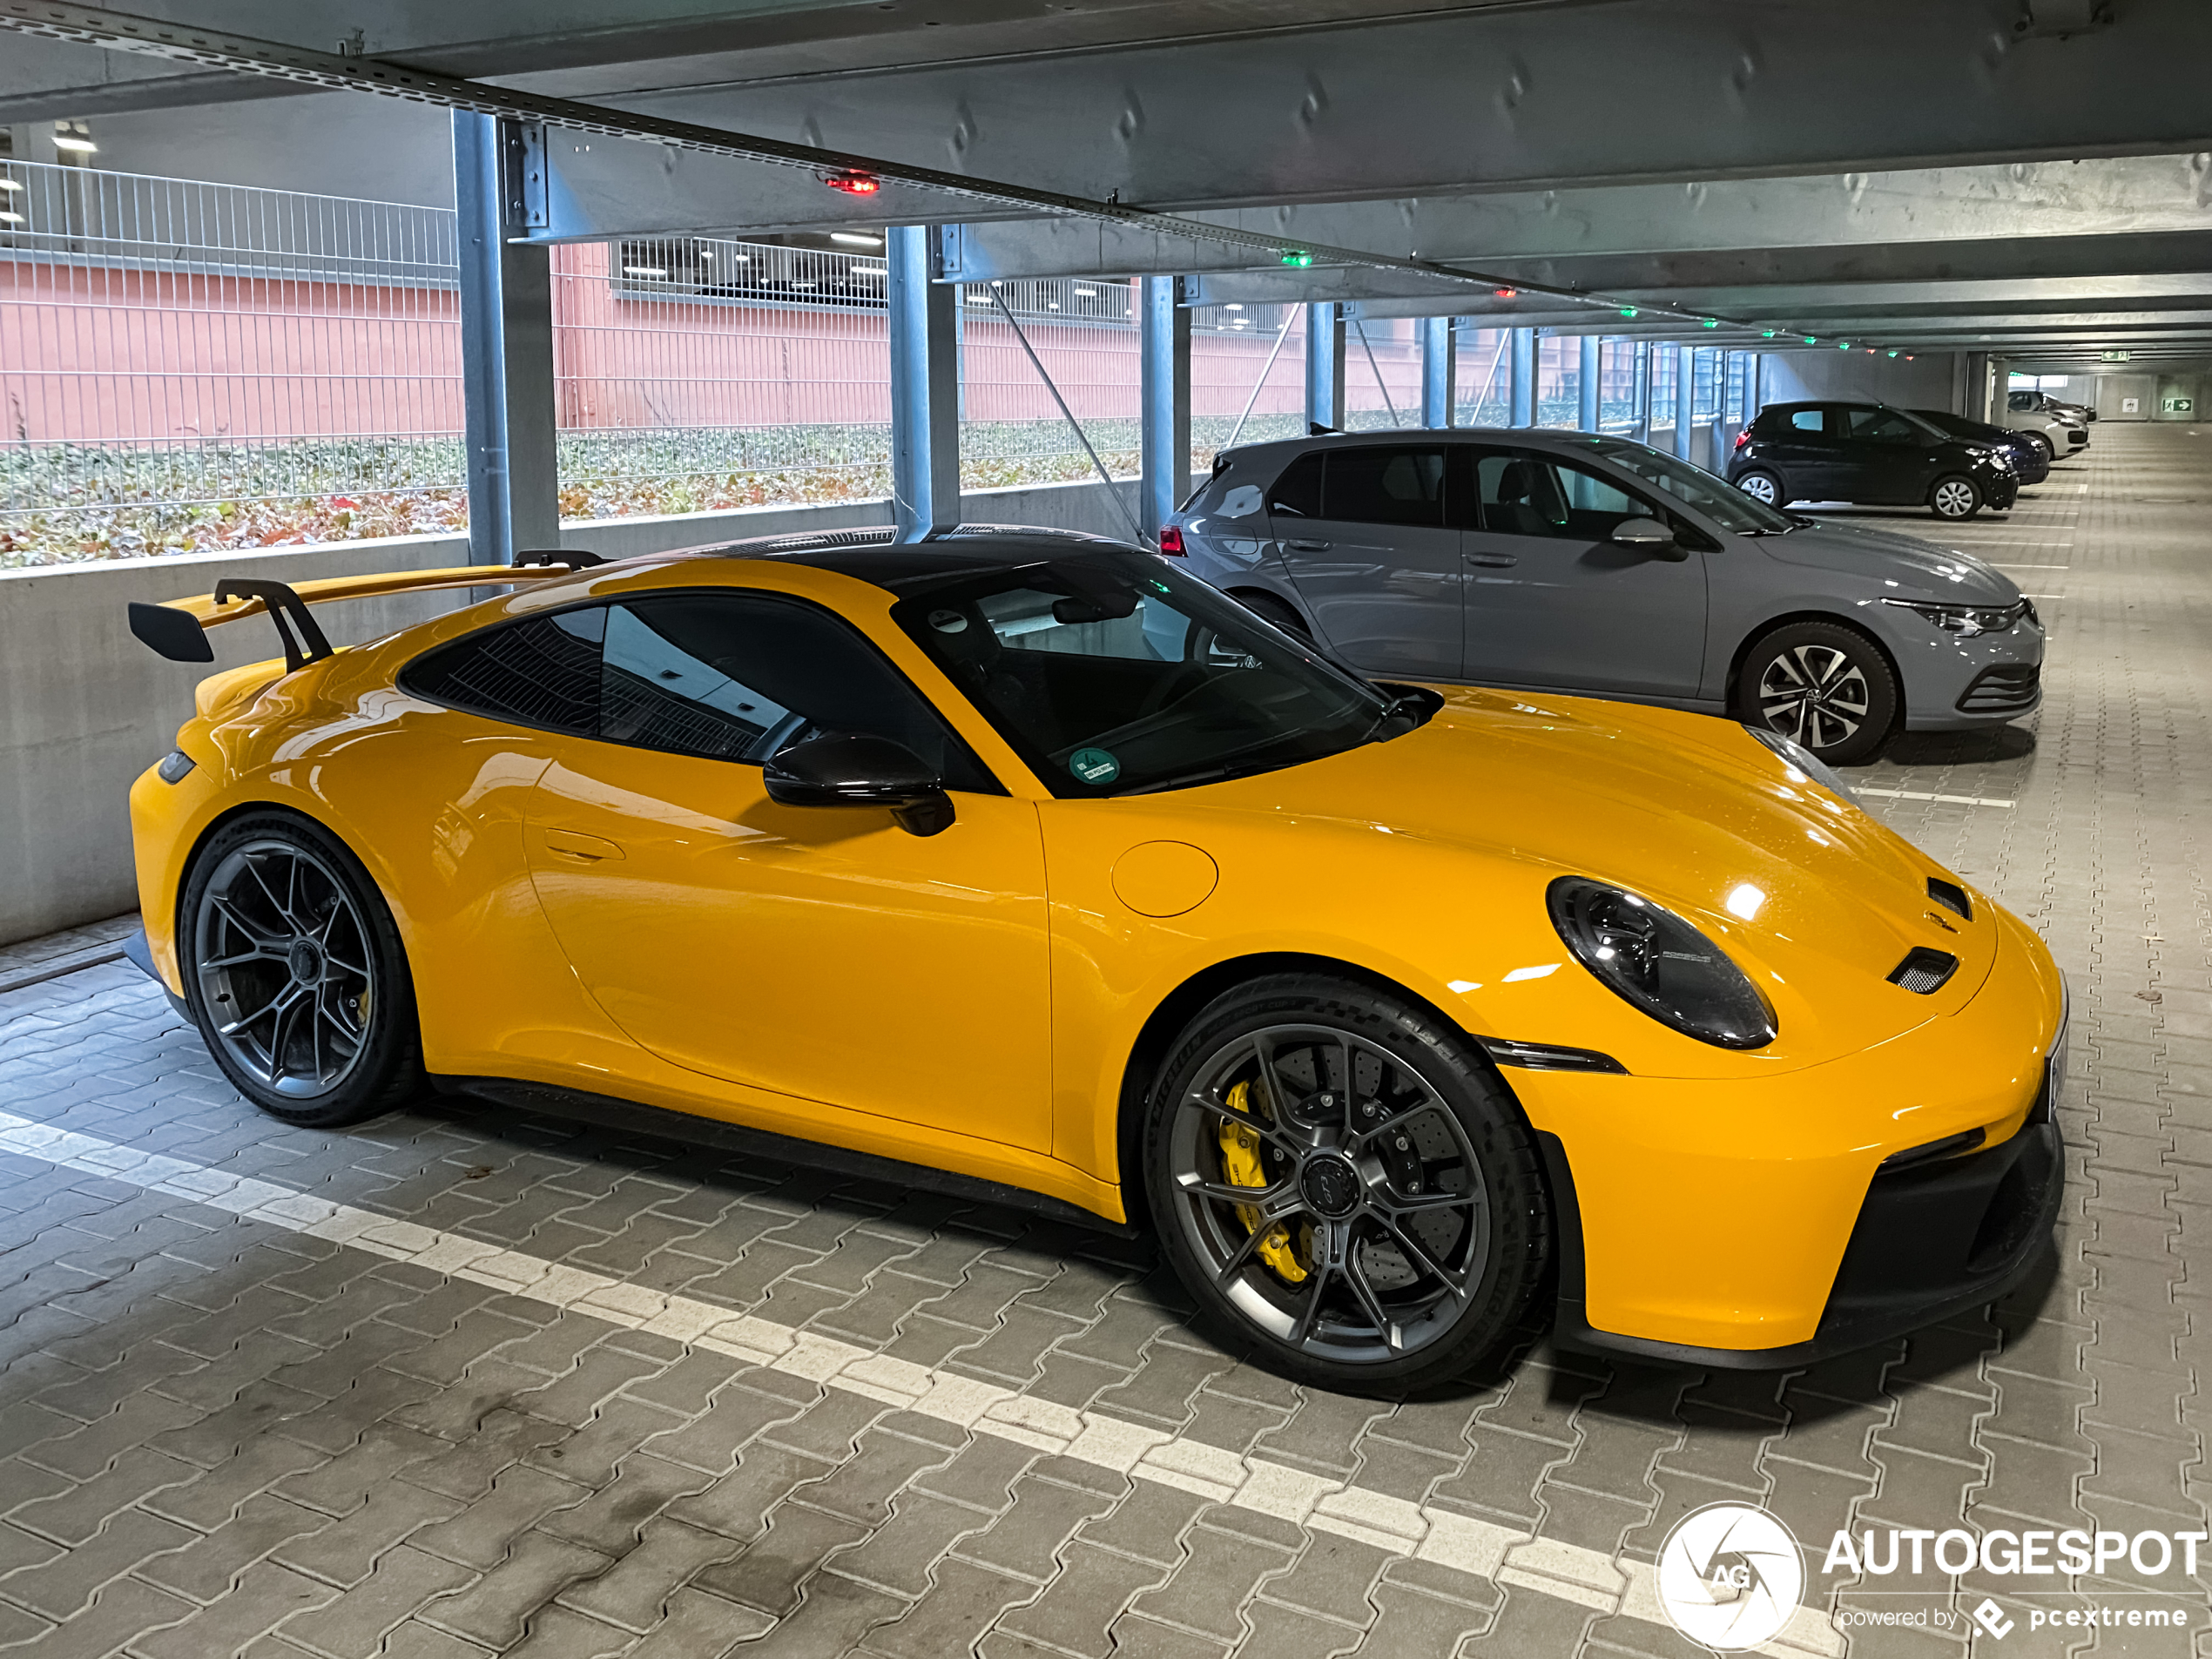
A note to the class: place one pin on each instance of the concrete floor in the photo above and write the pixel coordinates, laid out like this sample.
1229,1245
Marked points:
445,1385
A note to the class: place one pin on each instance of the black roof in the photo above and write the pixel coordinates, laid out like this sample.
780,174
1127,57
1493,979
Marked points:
875,556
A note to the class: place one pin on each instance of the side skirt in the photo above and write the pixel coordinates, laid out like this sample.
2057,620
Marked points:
612,1113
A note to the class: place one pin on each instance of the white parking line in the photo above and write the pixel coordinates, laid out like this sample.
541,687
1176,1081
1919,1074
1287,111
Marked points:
1505,1554
1918,794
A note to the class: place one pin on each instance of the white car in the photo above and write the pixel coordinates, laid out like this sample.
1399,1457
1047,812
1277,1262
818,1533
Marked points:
2059,436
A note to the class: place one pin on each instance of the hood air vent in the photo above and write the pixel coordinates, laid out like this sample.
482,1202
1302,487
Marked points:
1925,971
1952,897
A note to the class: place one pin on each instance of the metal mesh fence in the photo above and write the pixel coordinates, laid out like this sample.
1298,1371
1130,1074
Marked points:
192,365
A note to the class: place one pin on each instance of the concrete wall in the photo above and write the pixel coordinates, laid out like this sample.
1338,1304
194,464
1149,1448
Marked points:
1929,381
2113,392
84,707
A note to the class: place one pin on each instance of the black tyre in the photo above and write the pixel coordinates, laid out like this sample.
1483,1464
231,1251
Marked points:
295,975
1827,686
1763,487
1269,609
1344,1186
1954,497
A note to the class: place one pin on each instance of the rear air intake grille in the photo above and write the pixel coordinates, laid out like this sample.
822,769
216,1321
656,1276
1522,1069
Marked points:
1925,971
1952,897
2008,688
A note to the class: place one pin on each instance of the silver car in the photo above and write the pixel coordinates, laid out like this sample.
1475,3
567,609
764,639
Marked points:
1561,561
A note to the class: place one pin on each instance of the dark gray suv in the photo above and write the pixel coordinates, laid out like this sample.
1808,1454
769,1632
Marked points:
1561,561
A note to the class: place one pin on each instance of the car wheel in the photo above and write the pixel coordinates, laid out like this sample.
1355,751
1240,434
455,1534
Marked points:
1762,487
1271,609
295,975
1342,1183
1824,686
1955,497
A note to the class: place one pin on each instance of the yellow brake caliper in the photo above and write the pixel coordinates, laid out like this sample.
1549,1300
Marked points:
1240,1162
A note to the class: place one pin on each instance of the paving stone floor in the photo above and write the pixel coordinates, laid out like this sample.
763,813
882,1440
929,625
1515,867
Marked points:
453,1383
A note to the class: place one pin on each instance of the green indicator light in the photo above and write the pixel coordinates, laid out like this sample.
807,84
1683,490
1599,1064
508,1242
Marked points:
1766,333
1628,311
1712,322
1892,354
1842,345
1297,256
1813,340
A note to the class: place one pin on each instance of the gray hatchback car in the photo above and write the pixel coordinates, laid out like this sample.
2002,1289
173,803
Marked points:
1561,560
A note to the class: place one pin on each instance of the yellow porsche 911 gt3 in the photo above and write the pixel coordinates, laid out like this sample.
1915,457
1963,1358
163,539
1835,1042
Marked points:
1036,864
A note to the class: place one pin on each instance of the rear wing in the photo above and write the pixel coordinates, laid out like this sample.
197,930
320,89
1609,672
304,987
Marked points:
178,629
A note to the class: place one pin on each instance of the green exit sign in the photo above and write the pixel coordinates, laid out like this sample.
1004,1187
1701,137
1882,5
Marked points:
2179,405
2116,356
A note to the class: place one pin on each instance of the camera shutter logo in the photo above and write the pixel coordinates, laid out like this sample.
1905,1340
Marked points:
1729,1577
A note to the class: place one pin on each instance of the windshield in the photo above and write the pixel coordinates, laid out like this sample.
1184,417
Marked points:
1719,501
1113,673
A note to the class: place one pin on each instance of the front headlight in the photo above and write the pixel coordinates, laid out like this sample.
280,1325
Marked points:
1966,621
1651,957
1805,760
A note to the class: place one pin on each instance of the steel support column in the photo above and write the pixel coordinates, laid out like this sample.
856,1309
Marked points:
1164,391
1589,406
1685,400
1440,352
925,385
1324,365
1520,387
506,348
1645,373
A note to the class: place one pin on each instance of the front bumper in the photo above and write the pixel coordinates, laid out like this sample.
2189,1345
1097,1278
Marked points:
1751,1224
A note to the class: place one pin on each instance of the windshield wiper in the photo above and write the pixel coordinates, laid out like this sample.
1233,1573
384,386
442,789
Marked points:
1208,775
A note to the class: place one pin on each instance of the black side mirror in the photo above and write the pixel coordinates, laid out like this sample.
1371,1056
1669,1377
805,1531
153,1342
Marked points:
852,769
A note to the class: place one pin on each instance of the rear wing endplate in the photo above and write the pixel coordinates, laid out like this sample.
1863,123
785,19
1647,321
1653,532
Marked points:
178,629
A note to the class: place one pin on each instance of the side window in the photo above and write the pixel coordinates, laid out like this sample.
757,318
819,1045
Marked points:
1378,485
1808,421
1529,494
544,672
737,676
2021,401
1882,426
1298,491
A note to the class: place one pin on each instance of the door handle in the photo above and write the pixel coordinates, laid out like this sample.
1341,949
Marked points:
588,849
1308,547
1495,560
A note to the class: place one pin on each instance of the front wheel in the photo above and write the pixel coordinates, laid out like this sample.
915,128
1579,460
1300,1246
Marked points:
1762,487
1824,686
1343,1185
1955,497
295,974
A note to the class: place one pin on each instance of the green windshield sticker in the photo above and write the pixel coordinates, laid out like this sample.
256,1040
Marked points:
1094,765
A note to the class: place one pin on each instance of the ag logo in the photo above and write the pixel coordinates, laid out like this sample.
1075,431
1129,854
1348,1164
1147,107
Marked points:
1729,1577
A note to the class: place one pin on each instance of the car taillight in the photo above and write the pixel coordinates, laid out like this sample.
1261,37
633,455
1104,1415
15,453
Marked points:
1744,437
1171,542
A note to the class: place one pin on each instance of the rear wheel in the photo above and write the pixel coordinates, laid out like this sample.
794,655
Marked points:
1762,487
295,975
1271,609
1342,1183
1824,686
1955,496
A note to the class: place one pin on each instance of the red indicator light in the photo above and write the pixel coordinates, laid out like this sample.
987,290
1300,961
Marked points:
853,183
1506,293
1171,542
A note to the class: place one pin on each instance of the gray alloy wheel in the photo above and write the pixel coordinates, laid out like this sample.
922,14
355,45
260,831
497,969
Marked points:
285,968
1955,497
1761,486
1338,1180
295,973
1824,685
1816,695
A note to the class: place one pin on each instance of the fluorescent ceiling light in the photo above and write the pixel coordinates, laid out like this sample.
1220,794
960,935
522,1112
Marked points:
1087,293
979,299
75,141
872,270
9,184
7,218
856,238
643,270
1232,307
